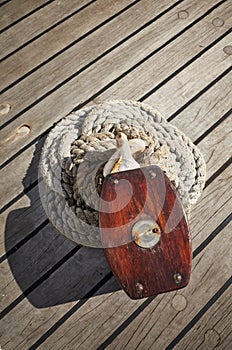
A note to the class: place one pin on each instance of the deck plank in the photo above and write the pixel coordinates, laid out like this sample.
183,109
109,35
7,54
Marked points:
201,115
181,88
55,294
90,310
12,291
65,64
59,38
16,9
150,322
158,326
34,25
207,145
210,149
23,94
214,329
40,117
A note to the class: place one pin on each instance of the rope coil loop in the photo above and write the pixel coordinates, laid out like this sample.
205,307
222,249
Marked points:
78,147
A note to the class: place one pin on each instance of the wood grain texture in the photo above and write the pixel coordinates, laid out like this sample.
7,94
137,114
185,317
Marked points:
58,38
37,23
156,326
214,328
16,9
41,115
198,231
59,296
139,195
201,115
218,194
170,59
64,65
153,326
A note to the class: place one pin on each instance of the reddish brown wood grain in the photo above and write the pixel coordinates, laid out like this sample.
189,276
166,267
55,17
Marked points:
134,195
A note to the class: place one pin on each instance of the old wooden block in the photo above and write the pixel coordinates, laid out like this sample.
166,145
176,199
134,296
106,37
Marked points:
145,232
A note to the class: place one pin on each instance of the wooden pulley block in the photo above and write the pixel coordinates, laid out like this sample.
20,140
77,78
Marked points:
144,232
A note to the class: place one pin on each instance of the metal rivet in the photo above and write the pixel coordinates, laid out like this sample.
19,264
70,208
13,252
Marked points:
24,129
212,338
228,49
183,14
4,108
177,277
218,22
179,302
139,287
146,233
115,181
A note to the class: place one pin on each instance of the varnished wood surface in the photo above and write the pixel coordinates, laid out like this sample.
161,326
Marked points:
145,272
60,55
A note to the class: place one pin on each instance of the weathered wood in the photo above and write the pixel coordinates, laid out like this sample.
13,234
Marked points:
64,65
29,28
41,115
14,10
35,215
214,328
161,320
27,171
204,111
28,263
158,324
27,214
168,60
58,38
218,195
201,114
212,150
12,291
52,273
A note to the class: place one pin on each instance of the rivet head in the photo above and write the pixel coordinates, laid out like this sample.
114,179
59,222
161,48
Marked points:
179,302
183,14
23,129
146,233
177,277
218,22
115,181
212,338
139,287
4,108
228,50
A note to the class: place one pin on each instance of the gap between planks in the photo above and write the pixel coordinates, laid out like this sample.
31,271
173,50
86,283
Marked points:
28,85
201,112
14,11
151,311
211,61
207,145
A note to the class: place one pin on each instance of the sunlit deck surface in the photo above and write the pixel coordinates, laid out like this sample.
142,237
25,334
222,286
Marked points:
61,55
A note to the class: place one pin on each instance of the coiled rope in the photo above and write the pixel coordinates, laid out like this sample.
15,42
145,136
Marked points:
78,147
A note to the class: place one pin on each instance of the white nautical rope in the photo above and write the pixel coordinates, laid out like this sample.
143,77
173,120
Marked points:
77,148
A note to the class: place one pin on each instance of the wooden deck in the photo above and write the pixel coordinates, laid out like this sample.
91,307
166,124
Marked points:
60,55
